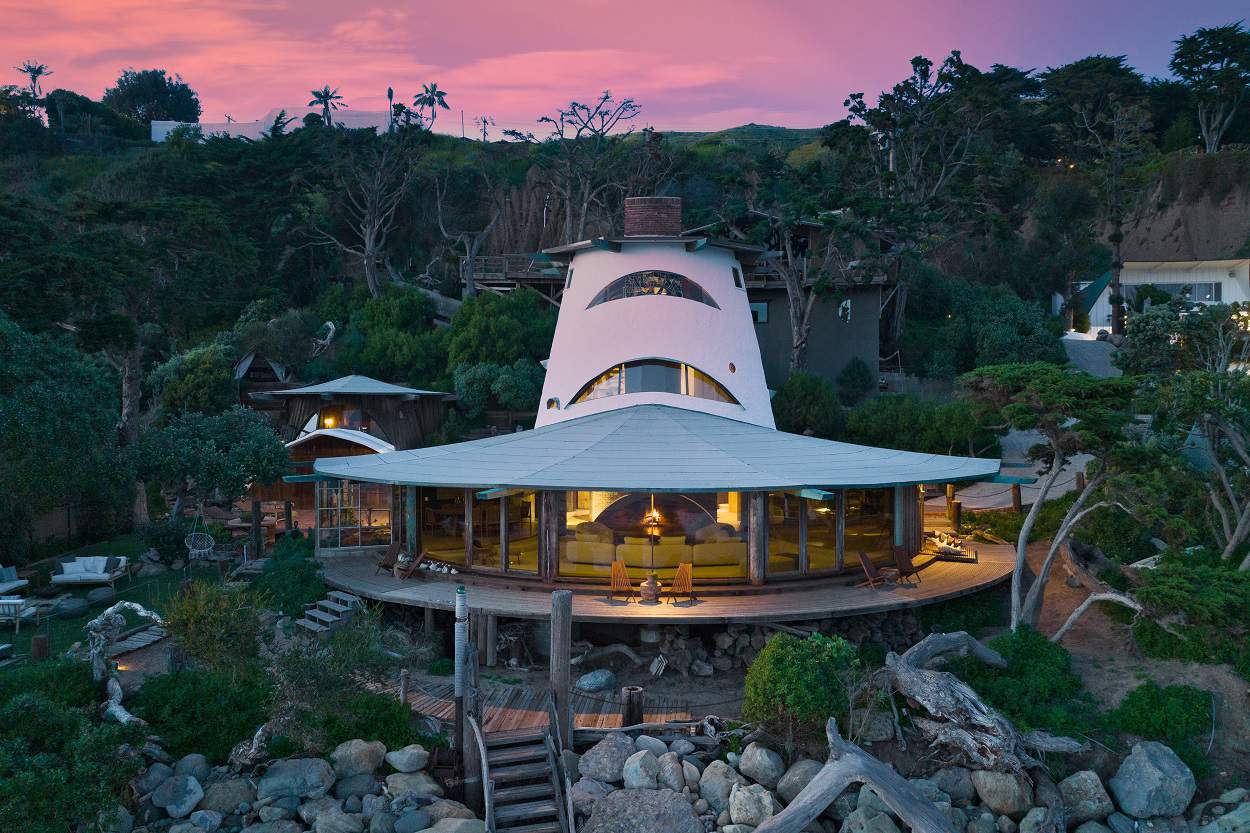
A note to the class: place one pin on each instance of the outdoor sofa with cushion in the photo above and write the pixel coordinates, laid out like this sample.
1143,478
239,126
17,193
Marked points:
90,569
9,581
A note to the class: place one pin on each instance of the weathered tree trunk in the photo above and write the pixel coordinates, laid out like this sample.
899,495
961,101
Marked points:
1117,266
848,764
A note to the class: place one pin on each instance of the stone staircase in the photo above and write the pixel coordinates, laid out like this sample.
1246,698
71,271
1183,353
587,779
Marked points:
526,800
320,618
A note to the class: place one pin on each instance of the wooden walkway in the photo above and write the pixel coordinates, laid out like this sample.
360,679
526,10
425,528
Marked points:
816,598
515,709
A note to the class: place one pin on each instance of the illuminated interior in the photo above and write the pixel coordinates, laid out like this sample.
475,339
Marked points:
653,282
655,376
353,514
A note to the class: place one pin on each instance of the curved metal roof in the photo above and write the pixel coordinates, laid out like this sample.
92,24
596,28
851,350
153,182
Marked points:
655,448
354,385
351,435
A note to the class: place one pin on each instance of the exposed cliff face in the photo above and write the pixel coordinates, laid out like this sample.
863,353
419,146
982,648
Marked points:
1197,209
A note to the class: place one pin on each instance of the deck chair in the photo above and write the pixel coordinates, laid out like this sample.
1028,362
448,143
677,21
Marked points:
389,558
872,575
906,569
406,571
682,584
620,582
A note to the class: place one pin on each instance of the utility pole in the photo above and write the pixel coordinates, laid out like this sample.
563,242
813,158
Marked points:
462,650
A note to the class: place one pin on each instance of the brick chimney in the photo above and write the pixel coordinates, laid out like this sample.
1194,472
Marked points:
652,216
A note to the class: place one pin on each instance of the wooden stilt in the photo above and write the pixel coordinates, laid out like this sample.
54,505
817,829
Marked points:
1017,502
492,640
428,625
1080,481
288,516
957,515
950,501
757,537
561,647
631,705
39,646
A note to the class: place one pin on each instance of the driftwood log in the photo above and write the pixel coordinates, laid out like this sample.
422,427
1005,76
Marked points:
102,632
847,765
1084,565
957,722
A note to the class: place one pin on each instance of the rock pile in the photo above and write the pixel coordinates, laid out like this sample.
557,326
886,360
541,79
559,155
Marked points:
632,785
363,787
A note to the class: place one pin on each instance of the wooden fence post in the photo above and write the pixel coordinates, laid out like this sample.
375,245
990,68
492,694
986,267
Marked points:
1017,503
950,501
288,516
561,648
39,648
403,685
631,705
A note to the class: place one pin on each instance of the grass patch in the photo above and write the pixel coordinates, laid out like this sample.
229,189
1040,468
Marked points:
204,711
1174,715
977,613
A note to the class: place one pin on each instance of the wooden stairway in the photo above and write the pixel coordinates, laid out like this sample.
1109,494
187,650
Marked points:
320,618
523,773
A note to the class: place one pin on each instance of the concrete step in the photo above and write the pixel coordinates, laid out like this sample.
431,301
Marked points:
334,607
344,598
311,626
321,616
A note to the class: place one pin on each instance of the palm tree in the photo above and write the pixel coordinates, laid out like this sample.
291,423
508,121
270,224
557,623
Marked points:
431,98
34,71
328,100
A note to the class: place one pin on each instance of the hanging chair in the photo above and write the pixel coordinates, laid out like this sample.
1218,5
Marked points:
199,543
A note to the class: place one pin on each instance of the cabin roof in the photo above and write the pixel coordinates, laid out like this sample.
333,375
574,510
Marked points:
656,448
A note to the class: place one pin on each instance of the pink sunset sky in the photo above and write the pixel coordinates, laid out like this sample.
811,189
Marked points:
692,64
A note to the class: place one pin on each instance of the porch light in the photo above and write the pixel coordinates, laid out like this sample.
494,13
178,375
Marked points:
328,422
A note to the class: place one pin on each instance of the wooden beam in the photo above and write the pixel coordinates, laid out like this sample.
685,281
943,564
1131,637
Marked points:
840,531
757,537
492,640
410,520
492,494
548,536
561,669
468,527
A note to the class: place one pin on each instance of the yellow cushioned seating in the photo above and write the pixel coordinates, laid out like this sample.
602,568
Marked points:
719,553
640,555
589,552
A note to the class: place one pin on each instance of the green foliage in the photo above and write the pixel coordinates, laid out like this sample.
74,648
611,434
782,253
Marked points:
806,404
1174,715
1119,535
217,625
855,381
1211,603
393,337
168,538
291,578
1006,523
973,614
441,667
200,380
150,95
501,329
204,711
516,387
368,716
914,424
63,682
1037,689
794,685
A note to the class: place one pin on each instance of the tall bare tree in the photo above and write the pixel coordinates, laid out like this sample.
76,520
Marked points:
467,220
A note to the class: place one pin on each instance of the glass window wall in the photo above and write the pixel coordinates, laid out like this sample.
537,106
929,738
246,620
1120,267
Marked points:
822,535
442,524
784,533
353,514
870,524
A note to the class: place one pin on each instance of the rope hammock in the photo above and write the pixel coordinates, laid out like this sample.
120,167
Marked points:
199,544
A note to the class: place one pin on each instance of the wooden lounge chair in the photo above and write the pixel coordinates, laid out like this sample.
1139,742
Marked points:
682,583
620,582
14,609
872,575
906,569
403,572
389,558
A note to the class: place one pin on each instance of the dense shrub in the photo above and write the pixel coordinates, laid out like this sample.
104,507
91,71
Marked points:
1211,602
1174,715
62,682
367,716
1006,524
914,424
806,404
204,711
794,685
291,578
1119,535
855,381
1037,689
168,538
975,613
216,625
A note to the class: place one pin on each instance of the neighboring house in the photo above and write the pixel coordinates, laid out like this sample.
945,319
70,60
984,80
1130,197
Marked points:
1207,281
353,119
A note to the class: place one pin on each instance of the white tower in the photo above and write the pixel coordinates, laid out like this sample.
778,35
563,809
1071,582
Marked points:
655,318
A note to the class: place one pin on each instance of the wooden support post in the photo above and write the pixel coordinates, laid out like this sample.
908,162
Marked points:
258,533
468,527
631,705
757,537
561,648
492,640
39,648
950,501
1017,503
840,530
957,515
428,624
549,536
410,520
403,685
288,516
1080,482
479,634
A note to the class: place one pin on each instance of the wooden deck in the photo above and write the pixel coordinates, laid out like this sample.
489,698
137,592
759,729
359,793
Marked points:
518,709
778,602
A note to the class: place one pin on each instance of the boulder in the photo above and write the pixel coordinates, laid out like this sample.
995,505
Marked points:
1003,793
606,759
1006,825
195,765
1152,781
871,803
71,607
699,668
670,775
359,785
412,758
866,821
371,805
275,812
356,757
956,782
413,821
1092,827
335,820
458,826
586,793
225,796
1120,823
983,823
354,804
1084,797
152,777
415,783
207,820
1236,821
643,811
299,777
101,596
284,826
594,681
382,822
682,747
929,790
877,728
655,746
640,770
691,774
842,806
448,809
715,783
178,795
762,765
311,810
800,773
1034,821
751,805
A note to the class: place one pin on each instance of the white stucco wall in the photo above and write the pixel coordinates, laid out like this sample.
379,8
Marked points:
589,341
1232,275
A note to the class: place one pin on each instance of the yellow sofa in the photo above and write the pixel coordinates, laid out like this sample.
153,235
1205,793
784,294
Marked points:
726,558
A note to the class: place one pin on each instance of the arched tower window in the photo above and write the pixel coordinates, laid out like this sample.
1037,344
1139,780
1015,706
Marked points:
653,282
654,376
